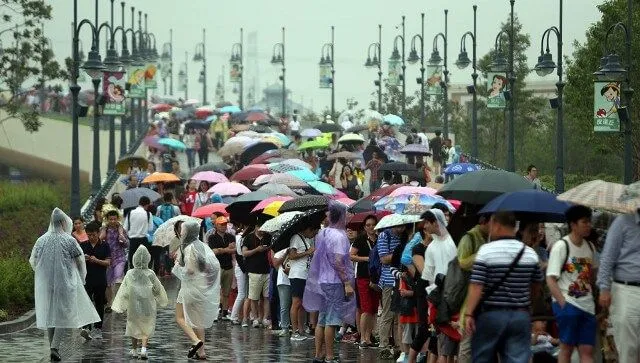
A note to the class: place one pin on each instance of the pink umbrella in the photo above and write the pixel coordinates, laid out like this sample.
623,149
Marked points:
337,195
348,201
413,190
455,203
265,202
210,176
209,209
281,178
227,189
153,141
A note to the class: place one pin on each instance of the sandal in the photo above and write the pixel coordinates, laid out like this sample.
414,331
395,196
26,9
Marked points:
194,349
200,357
55,356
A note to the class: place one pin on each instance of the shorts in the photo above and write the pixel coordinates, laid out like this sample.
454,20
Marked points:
409,330
332,314
226,280
575,326
369,298
297,287
258,285
446,346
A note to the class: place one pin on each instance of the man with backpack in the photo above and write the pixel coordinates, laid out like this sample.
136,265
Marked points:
167,210
570,280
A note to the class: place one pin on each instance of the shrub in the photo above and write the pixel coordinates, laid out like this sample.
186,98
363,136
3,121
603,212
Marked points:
16,284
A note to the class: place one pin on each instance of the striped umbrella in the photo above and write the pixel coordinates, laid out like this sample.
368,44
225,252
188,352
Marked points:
599,194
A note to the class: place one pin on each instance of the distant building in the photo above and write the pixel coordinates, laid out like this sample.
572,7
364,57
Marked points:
272,100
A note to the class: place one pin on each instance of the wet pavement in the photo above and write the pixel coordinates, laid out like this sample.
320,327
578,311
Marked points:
224,343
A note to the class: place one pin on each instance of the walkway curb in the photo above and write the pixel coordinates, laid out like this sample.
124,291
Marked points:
21,323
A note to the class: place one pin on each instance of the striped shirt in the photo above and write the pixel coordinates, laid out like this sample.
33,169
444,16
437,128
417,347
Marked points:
387,242
492,263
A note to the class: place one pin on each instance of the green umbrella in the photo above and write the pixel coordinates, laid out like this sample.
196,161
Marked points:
480,187
318,143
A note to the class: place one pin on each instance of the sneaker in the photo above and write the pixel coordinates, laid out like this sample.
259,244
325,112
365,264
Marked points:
318,360
54,355
256,324
133,353
297,337
334,360
284,332
245,324
85,334
401,358
422,358
96,333
266,323
143,355
307,330
309,336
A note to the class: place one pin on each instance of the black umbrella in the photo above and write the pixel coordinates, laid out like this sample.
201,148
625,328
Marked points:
240,209
255,150
281,239
398,167
305,203
362,205
357,128
215,166
480,187
367,154
327,127
262,129
203,125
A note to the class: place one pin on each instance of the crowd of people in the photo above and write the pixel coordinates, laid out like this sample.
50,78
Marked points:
411,290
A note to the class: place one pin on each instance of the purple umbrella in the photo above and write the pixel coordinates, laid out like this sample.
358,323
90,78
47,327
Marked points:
154,142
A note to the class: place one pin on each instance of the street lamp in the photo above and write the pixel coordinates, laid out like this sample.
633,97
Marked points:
201,56
166,60
94,67
435,60
125,60
278,59
134,60
183,76
236,62
612,69
395,58
545,66
327,64
414,58
375,49
463,62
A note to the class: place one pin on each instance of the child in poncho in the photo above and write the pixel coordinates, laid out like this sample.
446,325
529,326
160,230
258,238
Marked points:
139,295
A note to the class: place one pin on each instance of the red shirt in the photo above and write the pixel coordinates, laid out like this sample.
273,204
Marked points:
188,202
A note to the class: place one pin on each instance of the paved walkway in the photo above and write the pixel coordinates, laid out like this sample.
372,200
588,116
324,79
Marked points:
225,343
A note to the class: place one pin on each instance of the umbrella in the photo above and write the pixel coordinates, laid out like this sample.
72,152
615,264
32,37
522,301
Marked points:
411,204
165,236
124,165
327,127
357,219
344,155
265,156
203,112
214,166
131,197
240,209
265,202
230,109
191,101
393,120
227,189
161,115
415,149
351,139
323,187
153,141
346,201
296,162
209,209
305,203
161,107
210,176
362,205
252,151
250,172
276,223
197,124
211,118
261,129
256,116
460,168
370,115
180,114
284,139
283,167
281,238
482,186
357,128
277,189
172,143
393,220
158,177
310,133
240,128
599,194
281,178
413,190
273,209
319,143
304,174
248,133
631,194
529,204
398,167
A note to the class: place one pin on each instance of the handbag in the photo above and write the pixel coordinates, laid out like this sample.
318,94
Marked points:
495,286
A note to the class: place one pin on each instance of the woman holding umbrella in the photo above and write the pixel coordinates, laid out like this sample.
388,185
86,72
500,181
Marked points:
202,197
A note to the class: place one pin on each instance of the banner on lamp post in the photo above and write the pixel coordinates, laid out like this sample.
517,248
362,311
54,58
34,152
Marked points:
113,86
150,72
497,84
325,76
182,82
394,72
606,102
135,78
234,72
434,78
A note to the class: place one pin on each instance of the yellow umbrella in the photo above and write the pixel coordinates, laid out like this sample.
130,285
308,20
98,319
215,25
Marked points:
160,178
273,208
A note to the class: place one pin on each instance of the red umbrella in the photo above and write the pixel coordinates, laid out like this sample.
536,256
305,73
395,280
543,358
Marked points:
203,112
250,172
209,209
161,107
256,116
265,156
383,192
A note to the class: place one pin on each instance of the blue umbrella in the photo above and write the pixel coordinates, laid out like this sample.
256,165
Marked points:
411,203
211,118
460,168
230,109
172,143
322,187
282,137
529,204
304,175
393,120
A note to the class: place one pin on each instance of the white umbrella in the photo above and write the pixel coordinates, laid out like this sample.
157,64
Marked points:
369,115
276,223
165,236
191,101
397,220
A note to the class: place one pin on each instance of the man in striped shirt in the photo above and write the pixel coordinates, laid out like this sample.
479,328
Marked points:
501,283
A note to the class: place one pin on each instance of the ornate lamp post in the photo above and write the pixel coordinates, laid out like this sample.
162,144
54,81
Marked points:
278,59
201,56
434,61
393,61
375,61
183,76
327,64
237,61
414,58
462,63
166,60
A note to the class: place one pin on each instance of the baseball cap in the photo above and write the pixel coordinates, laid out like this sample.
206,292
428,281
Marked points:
222,220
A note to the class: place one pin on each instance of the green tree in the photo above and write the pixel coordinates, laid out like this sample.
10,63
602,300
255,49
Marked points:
29,55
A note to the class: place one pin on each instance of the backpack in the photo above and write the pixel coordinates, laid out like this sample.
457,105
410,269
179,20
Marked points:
375,266
566,258
166,211
455,287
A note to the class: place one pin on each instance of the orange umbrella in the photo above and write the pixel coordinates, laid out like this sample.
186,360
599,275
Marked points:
160,178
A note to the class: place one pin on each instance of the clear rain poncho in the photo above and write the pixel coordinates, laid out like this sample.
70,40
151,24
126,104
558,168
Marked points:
199,272
139,295
60,269
440,251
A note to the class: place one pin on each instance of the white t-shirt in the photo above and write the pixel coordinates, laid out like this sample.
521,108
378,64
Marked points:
437,257
574,279
282,279
451,155
300,267
294,125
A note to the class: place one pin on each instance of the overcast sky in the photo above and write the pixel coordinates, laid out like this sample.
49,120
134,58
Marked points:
308,24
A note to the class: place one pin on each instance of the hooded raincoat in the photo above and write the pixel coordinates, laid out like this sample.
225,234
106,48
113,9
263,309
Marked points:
139,295
60,269
199,272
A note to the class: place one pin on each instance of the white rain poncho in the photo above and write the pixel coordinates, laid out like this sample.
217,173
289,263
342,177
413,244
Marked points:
139,294
440,251
199,272
59,265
